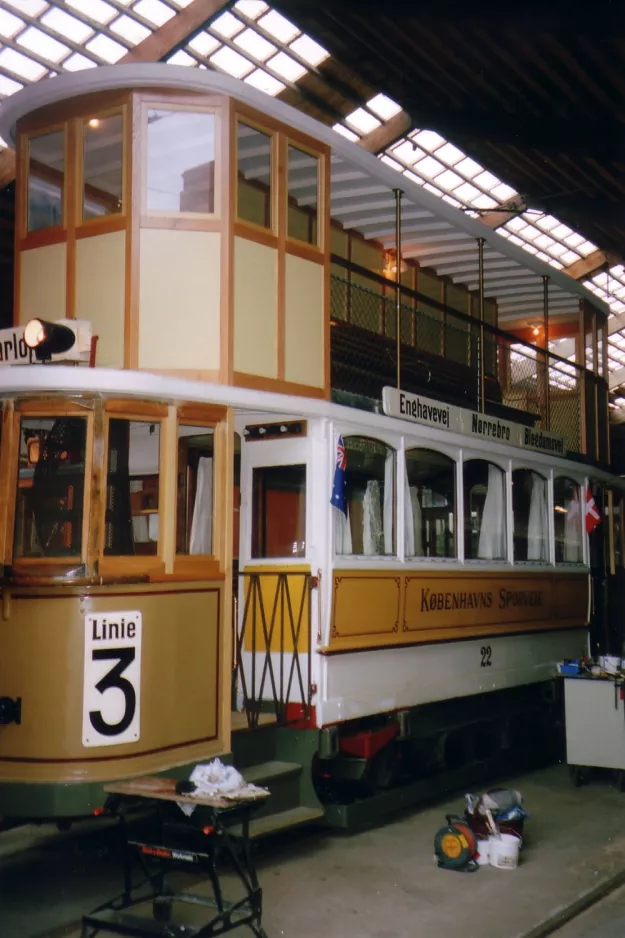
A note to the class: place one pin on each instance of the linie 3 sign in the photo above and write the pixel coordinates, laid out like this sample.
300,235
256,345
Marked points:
111,712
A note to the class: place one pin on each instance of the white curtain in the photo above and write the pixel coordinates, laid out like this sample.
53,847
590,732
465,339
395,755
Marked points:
538,523
371,518
201,541
573,530
412,520
389,502
342,532
491,543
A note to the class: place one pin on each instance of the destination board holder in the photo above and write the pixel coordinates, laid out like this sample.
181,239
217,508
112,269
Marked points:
440,415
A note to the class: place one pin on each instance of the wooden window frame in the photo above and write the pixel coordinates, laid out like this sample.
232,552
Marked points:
201,566
121,565
193,221
114,220
242,226
52,234
48,566
295,245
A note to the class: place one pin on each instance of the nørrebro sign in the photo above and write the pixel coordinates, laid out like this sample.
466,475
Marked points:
406,406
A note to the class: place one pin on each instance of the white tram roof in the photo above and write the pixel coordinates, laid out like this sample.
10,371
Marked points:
260,406
434,233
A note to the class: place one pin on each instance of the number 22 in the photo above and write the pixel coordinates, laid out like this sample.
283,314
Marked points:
485,652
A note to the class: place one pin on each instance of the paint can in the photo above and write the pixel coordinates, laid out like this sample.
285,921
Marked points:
504,851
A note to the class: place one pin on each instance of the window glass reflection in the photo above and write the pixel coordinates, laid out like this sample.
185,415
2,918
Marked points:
530,510
181,161
46,180
567,521
368,524
429,504
103,158
253,176
484,510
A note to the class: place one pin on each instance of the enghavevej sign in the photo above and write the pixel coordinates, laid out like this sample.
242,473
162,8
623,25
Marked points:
423,410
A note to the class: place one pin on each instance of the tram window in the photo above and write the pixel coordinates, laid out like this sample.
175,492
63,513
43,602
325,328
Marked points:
253,176
279,511
131,523
484,510
46,180
530,511
303,180
368,526
102,168
567,521
50,487
194,520
181,161
429,504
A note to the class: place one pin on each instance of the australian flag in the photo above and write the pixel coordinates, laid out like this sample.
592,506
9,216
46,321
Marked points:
339,486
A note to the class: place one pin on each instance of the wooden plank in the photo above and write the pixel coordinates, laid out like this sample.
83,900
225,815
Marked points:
382,137
587,266
171,34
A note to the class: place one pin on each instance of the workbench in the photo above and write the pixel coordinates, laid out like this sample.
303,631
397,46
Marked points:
595,725
217,829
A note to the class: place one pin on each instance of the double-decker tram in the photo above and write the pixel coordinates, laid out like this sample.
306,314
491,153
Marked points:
283,478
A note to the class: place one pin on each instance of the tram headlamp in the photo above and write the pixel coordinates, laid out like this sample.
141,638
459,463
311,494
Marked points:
48,338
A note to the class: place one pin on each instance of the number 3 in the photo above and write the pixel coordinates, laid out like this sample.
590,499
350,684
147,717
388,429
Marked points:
113,678
485,652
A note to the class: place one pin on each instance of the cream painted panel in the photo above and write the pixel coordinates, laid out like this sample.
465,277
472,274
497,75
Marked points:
255,308
42,282
179,299
304,316
100,293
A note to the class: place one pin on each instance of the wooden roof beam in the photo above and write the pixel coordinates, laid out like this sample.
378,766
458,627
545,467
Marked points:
511,208
382,137
587,266
172,34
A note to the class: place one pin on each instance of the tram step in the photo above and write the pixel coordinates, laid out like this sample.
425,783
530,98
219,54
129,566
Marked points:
283,781
283,820
265,772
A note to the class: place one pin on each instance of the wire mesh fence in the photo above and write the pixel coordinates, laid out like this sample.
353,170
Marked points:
441,356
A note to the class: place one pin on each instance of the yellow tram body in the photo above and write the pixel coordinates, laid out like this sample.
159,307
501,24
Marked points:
217,308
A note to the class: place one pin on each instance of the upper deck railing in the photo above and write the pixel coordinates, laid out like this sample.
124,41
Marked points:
442,355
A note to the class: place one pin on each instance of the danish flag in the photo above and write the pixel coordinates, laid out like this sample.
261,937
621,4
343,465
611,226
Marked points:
592,513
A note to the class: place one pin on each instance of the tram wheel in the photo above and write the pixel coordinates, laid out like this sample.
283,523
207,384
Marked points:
577,776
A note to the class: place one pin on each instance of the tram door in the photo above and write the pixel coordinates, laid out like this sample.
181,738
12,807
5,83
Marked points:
274,578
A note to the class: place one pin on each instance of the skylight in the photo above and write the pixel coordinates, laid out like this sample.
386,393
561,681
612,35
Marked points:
249,41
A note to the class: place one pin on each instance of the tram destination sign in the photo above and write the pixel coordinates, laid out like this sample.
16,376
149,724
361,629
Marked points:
417,409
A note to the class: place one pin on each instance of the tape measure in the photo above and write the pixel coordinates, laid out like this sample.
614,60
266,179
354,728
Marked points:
455,845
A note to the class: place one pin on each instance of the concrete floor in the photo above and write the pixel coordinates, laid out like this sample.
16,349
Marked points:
383,883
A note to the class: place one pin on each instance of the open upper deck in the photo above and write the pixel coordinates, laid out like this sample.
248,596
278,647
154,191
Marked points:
209,231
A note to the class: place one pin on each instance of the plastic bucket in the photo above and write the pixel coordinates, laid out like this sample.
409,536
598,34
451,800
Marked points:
504,851
483,852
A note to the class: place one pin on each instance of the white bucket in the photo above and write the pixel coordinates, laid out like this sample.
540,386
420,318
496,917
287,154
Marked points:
504,851
483,852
